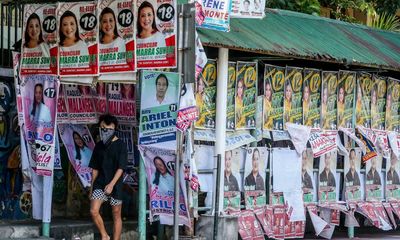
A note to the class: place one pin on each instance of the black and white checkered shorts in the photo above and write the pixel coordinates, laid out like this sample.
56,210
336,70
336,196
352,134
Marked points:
100,195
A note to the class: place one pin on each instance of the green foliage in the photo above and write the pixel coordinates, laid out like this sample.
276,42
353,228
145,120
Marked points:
386,21
304,6
385,6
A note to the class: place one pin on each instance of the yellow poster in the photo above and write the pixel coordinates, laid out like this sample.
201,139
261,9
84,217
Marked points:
312,98
392,118
345,101
378,102
363,100
274,81
293,109
328,100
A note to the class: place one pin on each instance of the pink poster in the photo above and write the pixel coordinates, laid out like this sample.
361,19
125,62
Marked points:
80,104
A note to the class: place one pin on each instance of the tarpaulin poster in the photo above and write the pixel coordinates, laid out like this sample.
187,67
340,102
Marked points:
378,102
293,109
248,9
392,118
39,39
274,82
392,178
156,29
217,15
160,171
206,93
363,100
230,102
373,182
78,40
352,178
254,177
121,101
345,103
79,145
307,177
246,95
327,178
62,111
80,104
39,97
232,180
125,133
117,36
158,110
312,98
100,97
328,100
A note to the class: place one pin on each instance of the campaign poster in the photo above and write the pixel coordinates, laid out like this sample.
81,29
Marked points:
80,104
246,95
374,182
278,224
293,109
125,133
160,171
352,177
39,102
274,81
79,145
327,178
392,178
363,100
378,102
39,39
312,98
158,110
216,15
392,118
254,177
346,95
156,29
329,100
206,93
230,101
307,176
232,180
78,41
248,8
62,111
100,97
121,101
117,36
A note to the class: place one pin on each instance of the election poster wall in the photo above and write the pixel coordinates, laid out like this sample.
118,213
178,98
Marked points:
121,102
156,37
246,95
160,171
206,93
232,181
230,101
248,9
392,178
392,118
327,178
363,104
100,97
62,111
312,98
293,109
378,102
373,183
78,46
328,100
117,36
346,95
80,104
216,15
307,177
39,40
254,177
158,110
39,99
352,177
274,79
79,145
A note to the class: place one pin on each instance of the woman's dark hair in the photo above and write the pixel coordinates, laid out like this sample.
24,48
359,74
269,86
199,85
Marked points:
77,149
162,75
27,38
62,36
156,180
34,100
139,28
108,119
101,33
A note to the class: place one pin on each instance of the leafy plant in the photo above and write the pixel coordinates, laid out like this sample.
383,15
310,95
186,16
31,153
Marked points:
386,21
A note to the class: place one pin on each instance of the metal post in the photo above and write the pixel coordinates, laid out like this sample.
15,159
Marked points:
350,232
45,229
142,200
217,191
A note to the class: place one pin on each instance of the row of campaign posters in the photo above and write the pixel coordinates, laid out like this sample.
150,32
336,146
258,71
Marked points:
98,37
326,100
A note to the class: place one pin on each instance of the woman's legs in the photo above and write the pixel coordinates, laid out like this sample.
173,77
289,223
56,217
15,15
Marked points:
95,205
116,212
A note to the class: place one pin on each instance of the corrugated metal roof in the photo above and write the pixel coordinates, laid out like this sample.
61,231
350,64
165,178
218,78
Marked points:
297,35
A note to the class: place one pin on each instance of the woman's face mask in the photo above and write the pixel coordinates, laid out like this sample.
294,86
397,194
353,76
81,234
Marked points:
106,134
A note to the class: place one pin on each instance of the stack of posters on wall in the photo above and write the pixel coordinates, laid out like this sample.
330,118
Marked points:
312,98
346,95
293,110
274,79
329,100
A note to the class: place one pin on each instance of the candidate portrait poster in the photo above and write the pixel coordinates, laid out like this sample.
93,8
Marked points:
352,177
100,97
378,102
216,15
274,81
312,98
77,27
248,8
246,95
205,95
232,180
373,179
327,178
39,39
254,177
80,103
62,111
156,34
79,145
345,102
328,100
160,171
307,176
117,36
230,102
392,178
392,118
121,101
39,95
363,100
158,110
293,109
